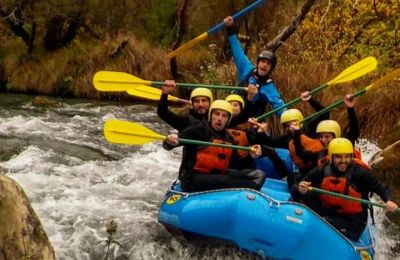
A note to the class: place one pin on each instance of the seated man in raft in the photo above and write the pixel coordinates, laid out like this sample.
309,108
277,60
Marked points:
342,175
211,167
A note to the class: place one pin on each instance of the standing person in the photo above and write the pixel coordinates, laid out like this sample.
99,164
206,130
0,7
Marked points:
261,88
200,98
210,167
343,176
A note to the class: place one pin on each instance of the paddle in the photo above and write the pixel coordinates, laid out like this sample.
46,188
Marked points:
150,94
121,81
385,79
354,71
124,132
366,202
213,30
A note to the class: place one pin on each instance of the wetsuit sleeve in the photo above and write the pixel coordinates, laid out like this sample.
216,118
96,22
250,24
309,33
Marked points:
175,121
311,126
243,64
314,176
370,183
354,130
272,96
276,160
307,156
281,141
191,132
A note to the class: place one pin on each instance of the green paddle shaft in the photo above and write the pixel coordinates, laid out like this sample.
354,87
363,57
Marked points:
294,101
366,202
333,105
193,85
197,142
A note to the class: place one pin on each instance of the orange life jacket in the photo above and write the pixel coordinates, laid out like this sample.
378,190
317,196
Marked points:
212,158
239,138
309,144
339,185
358,159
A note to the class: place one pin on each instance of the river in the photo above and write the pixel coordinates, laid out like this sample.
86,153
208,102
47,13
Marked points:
77,182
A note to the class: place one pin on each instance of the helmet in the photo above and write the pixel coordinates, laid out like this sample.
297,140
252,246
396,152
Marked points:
202,92
235,97
269,55
340,146
291,115
223,105
329,126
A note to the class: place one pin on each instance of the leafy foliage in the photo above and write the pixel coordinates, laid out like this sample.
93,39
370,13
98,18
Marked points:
334,35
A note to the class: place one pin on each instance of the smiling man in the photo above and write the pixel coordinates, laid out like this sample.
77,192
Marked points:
343,176
200,98
211,167
261,89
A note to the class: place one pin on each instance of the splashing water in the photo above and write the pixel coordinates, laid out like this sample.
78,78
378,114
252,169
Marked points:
77,182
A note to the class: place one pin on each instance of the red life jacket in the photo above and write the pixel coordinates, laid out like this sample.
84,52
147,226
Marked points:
309,144
340,185
239,138
212,158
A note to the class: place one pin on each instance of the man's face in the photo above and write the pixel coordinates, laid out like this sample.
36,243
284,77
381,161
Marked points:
342,161
325,138
219,119
291,126
264,67
236,106
201,104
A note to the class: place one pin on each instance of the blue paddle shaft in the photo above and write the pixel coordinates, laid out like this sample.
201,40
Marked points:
236,16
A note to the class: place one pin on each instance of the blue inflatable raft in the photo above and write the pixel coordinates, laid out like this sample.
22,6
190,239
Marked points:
265,164
264,223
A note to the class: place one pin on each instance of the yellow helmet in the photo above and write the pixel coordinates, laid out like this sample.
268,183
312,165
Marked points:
202,92
340,146
291,115
235,97
329,126
223,105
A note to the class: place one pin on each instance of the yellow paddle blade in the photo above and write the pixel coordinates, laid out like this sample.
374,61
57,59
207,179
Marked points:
142,93
355,71
116,81
187,45
124,132
151,93
385,79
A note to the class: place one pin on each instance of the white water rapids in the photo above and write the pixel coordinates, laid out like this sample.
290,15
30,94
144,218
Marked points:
77,182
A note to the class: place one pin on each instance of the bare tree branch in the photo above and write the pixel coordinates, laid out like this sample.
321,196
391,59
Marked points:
326,12
290,29
180,31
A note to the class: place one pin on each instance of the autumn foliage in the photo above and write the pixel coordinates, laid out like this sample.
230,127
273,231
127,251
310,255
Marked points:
69,42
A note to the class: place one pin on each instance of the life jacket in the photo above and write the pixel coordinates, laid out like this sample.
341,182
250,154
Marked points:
358,159
239,138
340,185
323,158
309,144
213,159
